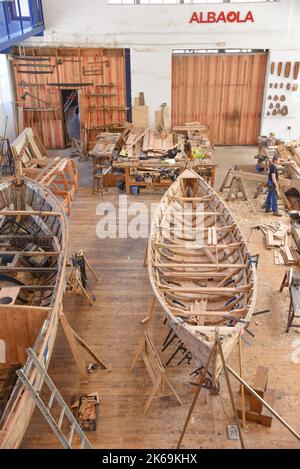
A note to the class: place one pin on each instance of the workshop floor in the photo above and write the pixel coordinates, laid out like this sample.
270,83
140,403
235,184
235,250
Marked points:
112,328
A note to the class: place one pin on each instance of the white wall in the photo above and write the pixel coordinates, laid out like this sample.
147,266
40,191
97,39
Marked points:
6,108
279,124
152,31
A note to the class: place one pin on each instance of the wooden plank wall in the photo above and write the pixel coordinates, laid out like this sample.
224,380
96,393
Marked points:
223,91
71,66
19,328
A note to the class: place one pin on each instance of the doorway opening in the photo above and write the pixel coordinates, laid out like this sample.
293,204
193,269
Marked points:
71,115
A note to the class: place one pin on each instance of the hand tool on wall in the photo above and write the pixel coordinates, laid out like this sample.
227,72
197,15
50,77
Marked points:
34,97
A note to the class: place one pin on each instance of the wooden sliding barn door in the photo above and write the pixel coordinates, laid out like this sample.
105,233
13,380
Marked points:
44,73
223,91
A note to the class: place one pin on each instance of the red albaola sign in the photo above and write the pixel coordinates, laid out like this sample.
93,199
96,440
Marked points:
222,17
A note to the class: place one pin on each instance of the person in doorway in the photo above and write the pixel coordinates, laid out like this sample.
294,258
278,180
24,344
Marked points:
273,188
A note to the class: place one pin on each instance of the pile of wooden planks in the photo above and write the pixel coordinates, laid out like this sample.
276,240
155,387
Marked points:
148,144
60,175
106,144
198,136
276,234
294,148
286,256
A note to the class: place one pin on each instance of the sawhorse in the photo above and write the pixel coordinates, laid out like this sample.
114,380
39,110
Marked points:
156,370
292,281
235,186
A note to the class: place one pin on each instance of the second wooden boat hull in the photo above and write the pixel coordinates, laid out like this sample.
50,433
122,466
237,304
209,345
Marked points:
200,269
33,239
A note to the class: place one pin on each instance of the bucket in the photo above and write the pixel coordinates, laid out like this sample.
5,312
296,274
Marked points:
135,190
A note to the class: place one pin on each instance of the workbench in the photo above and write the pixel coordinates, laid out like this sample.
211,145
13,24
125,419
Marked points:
206,168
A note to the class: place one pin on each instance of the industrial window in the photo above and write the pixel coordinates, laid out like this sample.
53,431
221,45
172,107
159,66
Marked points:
216,51
165,2
17,18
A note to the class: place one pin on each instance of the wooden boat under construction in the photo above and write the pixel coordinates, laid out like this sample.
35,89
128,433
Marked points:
33,238
200,269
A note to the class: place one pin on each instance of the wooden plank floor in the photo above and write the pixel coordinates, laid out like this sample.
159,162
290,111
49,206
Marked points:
112,328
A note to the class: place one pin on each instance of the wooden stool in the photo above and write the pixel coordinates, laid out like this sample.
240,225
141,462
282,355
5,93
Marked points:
99,180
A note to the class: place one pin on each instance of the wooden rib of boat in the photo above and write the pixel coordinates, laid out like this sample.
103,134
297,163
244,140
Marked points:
33,241
200,269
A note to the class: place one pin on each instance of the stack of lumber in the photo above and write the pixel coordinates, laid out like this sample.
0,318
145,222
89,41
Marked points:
198,136
271,146
286,256
148,143
294,148
60,175
192,128
276,234
106,144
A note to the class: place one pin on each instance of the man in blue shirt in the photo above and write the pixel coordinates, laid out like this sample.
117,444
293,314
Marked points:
273,188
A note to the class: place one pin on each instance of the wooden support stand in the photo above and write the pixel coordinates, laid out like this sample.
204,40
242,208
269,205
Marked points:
60,175
146,255
227,369
75,283
235,187
75,342
217,348
292,281
156,370
256,412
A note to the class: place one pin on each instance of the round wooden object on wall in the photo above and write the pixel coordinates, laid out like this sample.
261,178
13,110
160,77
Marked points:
295,87
282,98
271,106
281,85
287,69
271,85
274,112
288,86
296,70
272,67
279,68
275,97
268,113
276,85
269,97
284,111
277,106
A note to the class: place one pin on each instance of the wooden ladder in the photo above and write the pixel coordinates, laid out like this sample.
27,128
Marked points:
42,377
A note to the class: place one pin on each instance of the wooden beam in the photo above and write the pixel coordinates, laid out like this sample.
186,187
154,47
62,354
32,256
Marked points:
197,246
27,213
198,264
26,236
208,290
28,269
30,253
225,314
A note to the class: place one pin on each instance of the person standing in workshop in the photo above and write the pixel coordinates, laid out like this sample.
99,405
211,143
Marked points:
273,188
